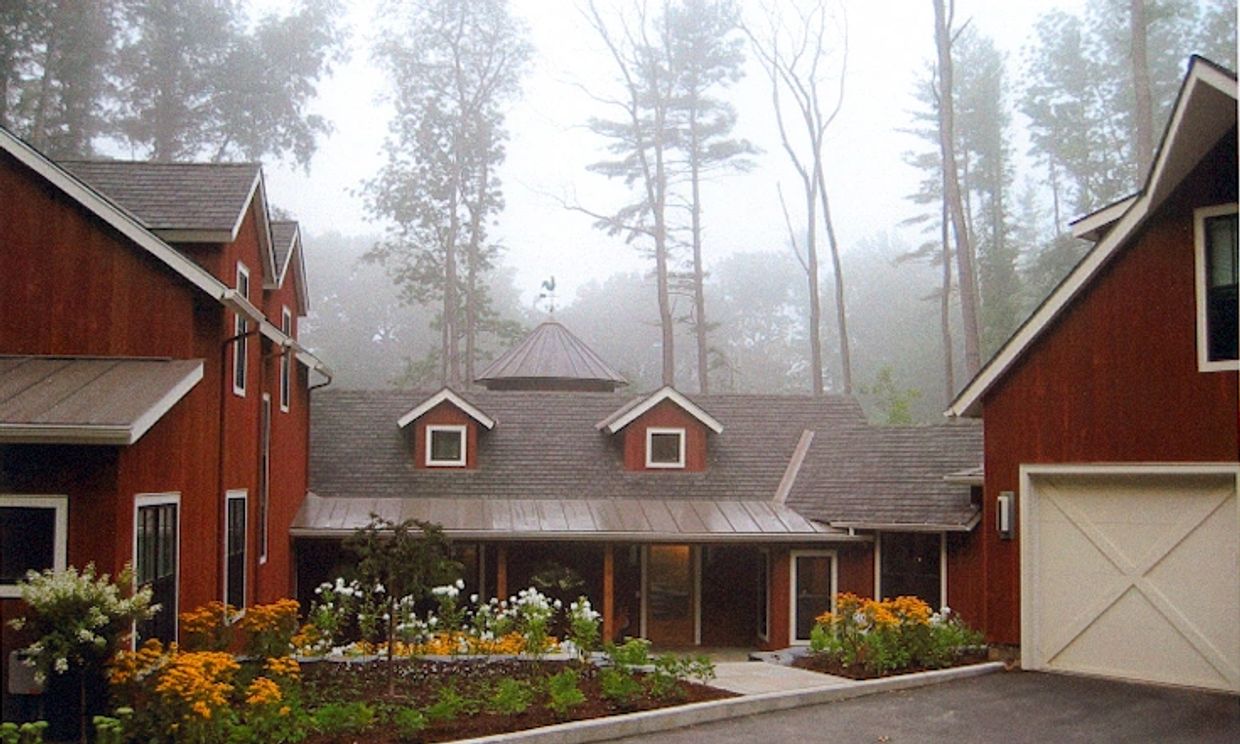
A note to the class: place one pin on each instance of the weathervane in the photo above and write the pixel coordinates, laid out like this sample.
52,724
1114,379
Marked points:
548,294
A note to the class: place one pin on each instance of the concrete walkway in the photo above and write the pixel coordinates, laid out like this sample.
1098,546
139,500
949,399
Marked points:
757,677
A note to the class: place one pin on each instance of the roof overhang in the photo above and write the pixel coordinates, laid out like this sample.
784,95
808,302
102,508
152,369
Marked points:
94,401
967,477
446,395
631,411
1205,110
629,520
912,526
1093,227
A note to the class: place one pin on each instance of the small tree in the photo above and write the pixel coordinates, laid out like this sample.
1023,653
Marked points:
406,559
78,619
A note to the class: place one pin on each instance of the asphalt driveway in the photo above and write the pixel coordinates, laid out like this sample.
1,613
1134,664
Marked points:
1007,707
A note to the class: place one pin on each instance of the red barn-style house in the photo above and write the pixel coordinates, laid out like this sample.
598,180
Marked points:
713,520
1110,542
154,400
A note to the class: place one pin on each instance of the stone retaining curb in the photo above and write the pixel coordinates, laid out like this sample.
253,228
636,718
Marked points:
652,721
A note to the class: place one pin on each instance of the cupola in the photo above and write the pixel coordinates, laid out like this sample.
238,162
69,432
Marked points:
551,358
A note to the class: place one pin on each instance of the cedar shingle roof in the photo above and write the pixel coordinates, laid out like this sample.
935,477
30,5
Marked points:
545,446
282,235
551,352
173,196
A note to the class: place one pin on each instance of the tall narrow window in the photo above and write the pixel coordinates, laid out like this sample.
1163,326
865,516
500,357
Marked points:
286,361
240,328
264,476
234,550
156,554
1217,302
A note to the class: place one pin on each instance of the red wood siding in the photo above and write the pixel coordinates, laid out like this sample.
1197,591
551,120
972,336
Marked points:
855,574
665,414
1114,379
445,414
781,599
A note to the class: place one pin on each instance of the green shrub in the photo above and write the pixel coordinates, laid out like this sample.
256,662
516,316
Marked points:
633,652
563,693
449,704
26,733
511,696
409,722
342,719
618,685
664,681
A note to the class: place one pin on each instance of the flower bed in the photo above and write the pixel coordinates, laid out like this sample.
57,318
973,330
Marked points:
866,638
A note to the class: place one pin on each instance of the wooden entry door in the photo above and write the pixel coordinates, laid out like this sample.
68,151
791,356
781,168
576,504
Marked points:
670,607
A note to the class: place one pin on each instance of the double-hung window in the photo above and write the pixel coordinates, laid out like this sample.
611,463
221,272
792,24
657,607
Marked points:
1217,301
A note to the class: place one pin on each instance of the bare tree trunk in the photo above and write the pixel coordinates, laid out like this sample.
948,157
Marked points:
699,293
947,147
1141,87
471,263
945,315
452,337
815,302
840,311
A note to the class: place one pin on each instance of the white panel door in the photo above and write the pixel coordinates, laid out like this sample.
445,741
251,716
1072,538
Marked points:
1134,574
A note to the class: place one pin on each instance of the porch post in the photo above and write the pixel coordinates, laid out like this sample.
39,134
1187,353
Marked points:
501,571
609,591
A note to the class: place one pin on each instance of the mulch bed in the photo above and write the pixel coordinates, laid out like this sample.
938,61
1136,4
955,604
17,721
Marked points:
418,683
830,665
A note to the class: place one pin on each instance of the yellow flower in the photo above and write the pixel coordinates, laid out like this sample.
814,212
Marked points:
283,666
263,691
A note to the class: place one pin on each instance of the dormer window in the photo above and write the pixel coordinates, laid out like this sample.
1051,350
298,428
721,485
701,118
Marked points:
445,445
1217,303
665,447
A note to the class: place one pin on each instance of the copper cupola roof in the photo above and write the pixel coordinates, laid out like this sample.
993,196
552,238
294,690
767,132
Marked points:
551,358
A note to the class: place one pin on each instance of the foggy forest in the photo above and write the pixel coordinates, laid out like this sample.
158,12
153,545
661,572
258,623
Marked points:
705,191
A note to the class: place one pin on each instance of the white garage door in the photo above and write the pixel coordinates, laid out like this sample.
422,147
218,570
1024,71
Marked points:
1132,575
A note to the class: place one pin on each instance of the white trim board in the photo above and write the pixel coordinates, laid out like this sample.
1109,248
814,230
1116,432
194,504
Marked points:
459,429
448,395
1204,364
60,529
679,431
1182,148
630,412
792,587
157,499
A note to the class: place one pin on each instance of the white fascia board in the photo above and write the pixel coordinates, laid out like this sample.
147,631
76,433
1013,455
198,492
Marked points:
303,289
193,236
266,245
969,401
312,362
448,395
117,218
165,404
901,527
1092,226
664,393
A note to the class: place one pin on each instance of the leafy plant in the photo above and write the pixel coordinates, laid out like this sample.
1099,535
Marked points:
342,719
533,612
270,628
633,652
664,681
511,696
563,694
208,628
618,685
449,704
409,722
583,628
26,733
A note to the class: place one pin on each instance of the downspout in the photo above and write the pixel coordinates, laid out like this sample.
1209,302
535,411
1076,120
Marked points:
221,516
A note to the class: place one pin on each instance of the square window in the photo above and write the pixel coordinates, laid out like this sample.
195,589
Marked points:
665,448
445,445
1217,301
28,540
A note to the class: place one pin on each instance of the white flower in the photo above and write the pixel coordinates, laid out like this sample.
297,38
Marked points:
473,599
61,665
460,583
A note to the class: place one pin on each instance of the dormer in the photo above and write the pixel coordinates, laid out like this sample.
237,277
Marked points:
445,429
663,432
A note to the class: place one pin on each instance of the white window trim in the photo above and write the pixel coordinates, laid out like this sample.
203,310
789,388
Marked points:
650,432
242,495
792,587
240,326
157,499
1199,242
60,537
878,569
286,361
462,430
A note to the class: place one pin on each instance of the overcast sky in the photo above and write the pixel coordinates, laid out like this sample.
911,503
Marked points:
890,45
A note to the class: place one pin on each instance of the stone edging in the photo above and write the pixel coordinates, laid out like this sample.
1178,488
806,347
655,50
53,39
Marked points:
651,721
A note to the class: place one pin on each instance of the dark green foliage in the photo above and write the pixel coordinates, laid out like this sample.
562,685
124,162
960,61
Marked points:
563,694
618,685
343,719
511,696
409,722
449,704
